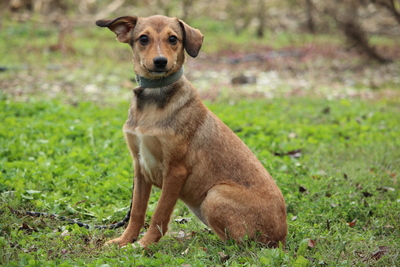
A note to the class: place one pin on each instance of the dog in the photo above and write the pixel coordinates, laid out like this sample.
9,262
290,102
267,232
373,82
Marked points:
180,146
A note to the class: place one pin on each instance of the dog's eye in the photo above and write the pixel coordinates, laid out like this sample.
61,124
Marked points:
173,39
144,39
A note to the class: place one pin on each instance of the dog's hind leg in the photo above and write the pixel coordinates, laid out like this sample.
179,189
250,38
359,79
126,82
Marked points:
235,212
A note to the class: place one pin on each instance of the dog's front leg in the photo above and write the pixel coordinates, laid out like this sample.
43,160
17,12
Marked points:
172,185
141,194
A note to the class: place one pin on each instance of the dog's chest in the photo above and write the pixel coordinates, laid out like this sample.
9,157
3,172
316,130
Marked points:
149,154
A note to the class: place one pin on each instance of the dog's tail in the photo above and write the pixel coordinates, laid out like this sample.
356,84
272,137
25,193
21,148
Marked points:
73,221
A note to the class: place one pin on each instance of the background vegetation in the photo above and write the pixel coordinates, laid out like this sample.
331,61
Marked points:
315,105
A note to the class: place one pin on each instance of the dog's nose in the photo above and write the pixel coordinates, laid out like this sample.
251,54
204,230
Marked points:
160,62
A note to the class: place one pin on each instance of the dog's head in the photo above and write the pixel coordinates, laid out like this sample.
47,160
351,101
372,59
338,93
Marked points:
157,42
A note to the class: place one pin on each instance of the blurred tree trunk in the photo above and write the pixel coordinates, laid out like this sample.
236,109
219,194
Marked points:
310,19
351,27
111,7
240,12
390,5
357,36
186,6
346,15
40,6
165,6
17,5
261,18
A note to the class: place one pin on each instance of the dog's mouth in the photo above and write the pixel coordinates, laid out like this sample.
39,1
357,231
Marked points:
152,72
158,73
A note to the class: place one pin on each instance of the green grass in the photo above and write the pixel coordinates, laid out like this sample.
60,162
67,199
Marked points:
72,160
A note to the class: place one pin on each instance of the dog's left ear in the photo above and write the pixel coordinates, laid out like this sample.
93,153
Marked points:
121,26
192,39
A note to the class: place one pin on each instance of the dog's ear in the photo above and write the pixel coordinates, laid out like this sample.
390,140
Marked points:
192,39
120,26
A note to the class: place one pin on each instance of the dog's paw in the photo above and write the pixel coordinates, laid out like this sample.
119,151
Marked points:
110,243
119,241
141,244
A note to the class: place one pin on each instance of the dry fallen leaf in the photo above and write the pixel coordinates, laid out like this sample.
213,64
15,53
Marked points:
223,256
65,233
293,153
24,226
380,252
185,252
353,223
391,174
27,228
311,243
386,189
181,235
359,254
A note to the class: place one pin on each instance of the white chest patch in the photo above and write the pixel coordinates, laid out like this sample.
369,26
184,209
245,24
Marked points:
147,159
149,155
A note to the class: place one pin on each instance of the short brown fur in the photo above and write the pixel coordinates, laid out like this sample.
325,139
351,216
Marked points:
180,146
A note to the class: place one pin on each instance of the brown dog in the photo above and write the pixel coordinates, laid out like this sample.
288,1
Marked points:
181,147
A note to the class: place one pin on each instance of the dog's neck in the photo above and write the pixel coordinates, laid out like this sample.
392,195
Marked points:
161,82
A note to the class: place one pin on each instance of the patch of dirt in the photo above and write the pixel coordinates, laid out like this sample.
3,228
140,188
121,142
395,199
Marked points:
323,70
